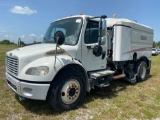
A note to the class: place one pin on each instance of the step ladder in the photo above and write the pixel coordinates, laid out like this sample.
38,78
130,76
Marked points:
101,73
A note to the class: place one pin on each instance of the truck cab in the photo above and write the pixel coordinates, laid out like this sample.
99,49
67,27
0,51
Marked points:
77,54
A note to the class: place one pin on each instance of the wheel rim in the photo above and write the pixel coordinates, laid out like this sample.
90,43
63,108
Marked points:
143,72
70,91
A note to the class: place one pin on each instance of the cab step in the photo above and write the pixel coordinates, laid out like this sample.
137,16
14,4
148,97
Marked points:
101,73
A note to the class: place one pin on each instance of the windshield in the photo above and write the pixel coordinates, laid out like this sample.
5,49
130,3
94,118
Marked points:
70,27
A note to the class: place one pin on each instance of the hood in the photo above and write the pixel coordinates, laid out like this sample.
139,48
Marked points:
25,55
40,49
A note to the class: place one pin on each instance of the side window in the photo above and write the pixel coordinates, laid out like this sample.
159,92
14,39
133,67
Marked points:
91,32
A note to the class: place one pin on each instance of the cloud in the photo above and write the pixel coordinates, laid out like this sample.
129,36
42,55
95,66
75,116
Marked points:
32,35
6,36
22,36
22,10
25,38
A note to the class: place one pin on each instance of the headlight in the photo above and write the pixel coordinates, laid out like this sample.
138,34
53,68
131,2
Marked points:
41,70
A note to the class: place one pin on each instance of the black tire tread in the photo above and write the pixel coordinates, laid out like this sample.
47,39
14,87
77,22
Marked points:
56,87
137,68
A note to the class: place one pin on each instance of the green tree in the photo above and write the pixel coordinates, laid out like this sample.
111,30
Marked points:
7,42
158,43
154,44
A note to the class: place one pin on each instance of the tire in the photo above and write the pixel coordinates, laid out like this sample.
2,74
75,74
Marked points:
141,71
67,91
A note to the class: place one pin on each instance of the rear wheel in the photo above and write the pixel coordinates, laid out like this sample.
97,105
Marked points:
141,70
67,91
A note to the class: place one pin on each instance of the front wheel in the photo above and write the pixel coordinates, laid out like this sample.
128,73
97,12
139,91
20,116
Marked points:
67,91
141,70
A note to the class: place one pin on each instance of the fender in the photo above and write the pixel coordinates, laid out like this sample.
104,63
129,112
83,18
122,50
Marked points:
62,61
67,62
147,60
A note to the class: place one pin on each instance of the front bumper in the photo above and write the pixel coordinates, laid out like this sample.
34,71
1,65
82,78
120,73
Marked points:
37,91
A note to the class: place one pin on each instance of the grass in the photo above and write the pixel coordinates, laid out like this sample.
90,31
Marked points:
119,101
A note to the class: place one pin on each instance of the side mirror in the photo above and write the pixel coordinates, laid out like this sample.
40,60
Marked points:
103,40
59,37
102,31
102,27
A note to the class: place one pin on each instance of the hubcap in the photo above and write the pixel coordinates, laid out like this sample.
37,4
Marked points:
143,72
70,91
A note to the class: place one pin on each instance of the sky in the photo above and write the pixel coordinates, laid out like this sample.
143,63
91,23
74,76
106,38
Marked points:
29,19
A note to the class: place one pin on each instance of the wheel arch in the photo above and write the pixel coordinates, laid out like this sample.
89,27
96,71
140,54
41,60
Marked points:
78,68
144,58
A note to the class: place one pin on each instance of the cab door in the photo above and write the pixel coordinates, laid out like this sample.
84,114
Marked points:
89,60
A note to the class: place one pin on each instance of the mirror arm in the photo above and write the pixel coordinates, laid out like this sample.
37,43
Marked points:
100,27
56,52
66,53
99,41
100,31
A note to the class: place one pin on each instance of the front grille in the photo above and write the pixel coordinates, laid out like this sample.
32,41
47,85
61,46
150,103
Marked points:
12,65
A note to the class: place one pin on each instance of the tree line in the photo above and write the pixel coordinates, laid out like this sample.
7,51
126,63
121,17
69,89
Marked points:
6,42
156,44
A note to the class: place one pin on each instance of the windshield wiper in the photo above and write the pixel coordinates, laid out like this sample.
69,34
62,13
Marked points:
46,41
49,42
